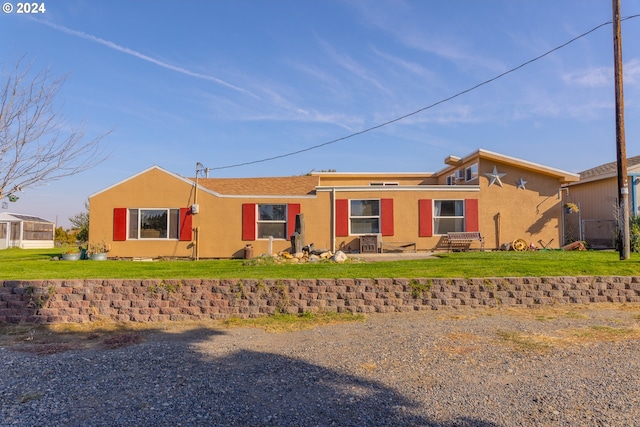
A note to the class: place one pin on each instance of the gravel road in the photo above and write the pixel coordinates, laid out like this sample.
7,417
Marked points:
564,366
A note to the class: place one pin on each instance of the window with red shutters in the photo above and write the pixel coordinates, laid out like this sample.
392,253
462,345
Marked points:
153,223
361,216
450,215
264,220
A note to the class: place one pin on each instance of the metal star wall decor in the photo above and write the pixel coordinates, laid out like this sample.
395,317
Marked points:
521,183
494,177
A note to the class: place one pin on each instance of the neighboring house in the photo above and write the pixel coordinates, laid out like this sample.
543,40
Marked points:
596,195
158,213
25,231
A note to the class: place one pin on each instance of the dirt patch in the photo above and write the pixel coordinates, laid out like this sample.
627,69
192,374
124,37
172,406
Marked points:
549,327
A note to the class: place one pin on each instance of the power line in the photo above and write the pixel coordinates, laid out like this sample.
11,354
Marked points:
442,101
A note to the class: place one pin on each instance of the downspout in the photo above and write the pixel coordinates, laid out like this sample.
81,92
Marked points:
634,194
197,238
498,230
563,237
333,220
580,224
562,191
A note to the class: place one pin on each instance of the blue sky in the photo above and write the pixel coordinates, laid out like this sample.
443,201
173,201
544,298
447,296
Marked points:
227,82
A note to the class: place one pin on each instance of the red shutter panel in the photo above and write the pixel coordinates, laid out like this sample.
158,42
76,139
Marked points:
386,208
342,217
425,210
471,215
186,226
293,209
249,221
119,224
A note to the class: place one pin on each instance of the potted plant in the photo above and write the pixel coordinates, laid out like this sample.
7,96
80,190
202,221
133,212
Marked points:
73,254
571,207
98,251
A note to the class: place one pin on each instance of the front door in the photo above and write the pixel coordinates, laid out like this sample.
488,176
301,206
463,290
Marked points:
14,236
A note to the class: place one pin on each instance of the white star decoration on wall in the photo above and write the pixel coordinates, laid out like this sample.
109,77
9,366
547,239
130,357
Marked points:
494,177
521,183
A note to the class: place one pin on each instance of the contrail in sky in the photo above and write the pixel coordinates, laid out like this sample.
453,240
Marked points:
142,56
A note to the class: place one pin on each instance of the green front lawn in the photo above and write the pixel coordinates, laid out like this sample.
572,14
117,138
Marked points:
22,264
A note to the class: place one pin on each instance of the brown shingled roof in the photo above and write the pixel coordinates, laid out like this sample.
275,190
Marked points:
269,186
607,168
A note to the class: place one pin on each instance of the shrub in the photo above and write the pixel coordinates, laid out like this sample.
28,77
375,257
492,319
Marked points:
634,233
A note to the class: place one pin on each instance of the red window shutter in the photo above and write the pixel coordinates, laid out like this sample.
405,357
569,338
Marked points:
342,217
471,215
425,209
249,221
293,209
119,224
386,211
186,226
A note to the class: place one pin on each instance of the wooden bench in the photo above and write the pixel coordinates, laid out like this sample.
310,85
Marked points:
464,238
397,246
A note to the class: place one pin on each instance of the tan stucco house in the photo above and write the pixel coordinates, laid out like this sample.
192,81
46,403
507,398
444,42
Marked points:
596,196
159,213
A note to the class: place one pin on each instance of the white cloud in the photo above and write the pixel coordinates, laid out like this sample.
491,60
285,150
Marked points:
352,66
603,76
425,35
593,77
412,67
631,72
329,81
144,57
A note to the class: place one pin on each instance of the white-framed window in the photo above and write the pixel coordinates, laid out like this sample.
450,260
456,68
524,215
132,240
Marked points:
471,172
364,216
451,179
153,223
448,215
272,221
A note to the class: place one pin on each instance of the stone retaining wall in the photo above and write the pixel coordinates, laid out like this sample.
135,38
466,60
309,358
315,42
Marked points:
56,301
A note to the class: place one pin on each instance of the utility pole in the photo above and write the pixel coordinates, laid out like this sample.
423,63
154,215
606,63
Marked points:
621,150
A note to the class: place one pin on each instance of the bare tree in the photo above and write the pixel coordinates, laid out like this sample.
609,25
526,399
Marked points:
37,143
81,222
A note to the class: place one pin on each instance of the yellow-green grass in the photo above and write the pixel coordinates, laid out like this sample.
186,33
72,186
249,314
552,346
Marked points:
22,264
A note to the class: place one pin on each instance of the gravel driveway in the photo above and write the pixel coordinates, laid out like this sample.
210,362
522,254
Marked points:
566,366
